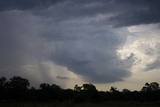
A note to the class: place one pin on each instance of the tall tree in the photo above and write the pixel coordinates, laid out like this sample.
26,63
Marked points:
2,87
154,86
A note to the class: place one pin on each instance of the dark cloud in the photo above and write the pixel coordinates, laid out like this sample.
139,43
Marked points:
20,48
121,13
16,39
153,66
136,18
124,12
92,57
26,4
62,77
138,12
82,36
83,48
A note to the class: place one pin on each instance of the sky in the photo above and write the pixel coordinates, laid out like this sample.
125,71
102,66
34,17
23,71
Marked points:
68,42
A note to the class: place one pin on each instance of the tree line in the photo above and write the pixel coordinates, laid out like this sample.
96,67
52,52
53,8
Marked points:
17,89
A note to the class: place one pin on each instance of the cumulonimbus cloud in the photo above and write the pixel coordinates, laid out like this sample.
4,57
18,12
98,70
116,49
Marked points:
82,36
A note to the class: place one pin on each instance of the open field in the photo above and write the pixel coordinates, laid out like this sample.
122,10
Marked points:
111,104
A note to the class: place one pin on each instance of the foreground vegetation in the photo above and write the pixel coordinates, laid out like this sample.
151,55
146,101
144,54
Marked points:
109,104
17,90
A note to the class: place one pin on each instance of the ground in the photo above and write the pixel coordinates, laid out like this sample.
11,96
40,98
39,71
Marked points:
64,104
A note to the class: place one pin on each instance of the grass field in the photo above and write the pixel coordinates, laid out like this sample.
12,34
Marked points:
111,104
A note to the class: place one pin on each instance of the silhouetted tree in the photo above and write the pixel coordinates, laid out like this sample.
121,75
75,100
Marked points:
68,95
86,93
77,88
154,86
55,87
33,94
150,92
44,92
44,86
126,91
51,92
56,92
19,83
79,94
115,94
2,87
90,92
2,81
17,87
113,89
89,87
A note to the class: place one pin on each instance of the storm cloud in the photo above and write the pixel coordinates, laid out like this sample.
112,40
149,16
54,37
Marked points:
26,4
82,36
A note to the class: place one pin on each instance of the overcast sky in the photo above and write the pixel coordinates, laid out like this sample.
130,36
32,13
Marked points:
67,42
